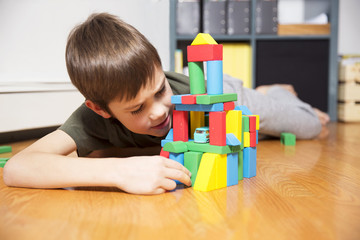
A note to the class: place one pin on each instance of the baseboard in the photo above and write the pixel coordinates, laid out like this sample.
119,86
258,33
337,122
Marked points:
23,135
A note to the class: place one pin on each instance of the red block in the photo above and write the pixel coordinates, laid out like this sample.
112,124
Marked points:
229,106
252,139
181,126
164,153
217,127
201,53
252,124
189,99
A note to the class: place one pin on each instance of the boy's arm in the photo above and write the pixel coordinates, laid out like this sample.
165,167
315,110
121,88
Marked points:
44,164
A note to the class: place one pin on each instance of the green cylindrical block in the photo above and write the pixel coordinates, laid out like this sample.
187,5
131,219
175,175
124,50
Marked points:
197,80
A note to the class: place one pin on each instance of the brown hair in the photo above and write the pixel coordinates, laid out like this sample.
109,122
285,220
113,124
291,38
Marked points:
107,58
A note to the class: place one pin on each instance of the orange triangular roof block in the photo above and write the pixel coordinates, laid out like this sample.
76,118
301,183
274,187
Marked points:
203,39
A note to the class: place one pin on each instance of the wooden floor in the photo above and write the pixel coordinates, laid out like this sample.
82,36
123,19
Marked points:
311,191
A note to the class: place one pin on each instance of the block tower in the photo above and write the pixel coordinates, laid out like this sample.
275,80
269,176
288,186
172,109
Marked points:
226,151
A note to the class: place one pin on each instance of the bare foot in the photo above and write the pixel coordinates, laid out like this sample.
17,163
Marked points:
323,117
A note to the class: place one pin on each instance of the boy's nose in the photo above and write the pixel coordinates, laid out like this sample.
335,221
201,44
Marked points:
158,111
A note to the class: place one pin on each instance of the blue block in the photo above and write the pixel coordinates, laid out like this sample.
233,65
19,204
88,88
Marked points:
232,140
257,136
170,134
165,141
214,76
249,162
179,157
176,99
232,169
200,107
244,109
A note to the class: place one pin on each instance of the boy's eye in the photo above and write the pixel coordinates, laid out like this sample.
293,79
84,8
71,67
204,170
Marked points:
159,93
137,111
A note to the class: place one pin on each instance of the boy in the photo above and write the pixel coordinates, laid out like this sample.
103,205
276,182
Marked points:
128,105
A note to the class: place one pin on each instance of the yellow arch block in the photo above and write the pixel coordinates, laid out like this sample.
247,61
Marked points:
234,123
203,39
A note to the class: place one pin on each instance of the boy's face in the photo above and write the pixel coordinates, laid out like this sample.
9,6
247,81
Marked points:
150,111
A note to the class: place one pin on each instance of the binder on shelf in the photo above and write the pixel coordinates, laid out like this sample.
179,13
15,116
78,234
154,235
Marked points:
237,61
214,16
187,17
266,19
238,17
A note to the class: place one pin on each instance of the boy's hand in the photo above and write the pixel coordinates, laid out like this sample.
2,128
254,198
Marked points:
150,174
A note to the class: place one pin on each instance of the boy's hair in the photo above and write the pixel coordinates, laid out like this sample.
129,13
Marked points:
107,58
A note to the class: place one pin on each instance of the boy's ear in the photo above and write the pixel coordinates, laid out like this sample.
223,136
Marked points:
96,108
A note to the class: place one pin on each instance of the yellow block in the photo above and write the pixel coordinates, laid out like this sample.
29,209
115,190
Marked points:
206,176
203,39
197,119
257,121
221,170
246,139
234,123
237,61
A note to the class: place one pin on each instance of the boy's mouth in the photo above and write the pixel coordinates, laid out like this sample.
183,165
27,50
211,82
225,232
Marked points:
163,124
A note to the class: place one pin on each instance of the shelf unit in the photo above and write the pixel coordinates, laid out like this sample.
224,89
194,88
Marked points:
253,39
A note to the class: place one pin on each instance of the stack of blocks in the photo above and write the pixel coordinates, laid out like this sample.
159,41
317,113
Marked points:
230,153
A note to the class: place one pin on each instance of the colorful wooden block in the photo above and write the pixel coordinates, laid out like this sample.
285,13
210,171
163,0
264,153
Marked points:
190,99
221,98
164,153
257,136
176,147
170,135
217,127
288,139
234,123
197,119
221,171
197,78
257,121
202,39
200,107
231,140
252,123
201,53
181,126
229,106
206,147
244,109
205,179
178,157
240,165
245,123
246,139
192,162
214,77
165,141
249,162
253,139
177,99
232,169
5,149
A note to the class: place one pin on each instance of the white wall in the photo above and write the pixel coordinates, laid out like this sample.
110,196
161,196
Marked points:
349,27
33,33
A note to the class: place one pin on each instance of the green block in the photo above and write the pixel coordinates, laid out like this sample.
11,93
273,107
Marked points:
197,79
241,166
245,123
192,163
3,161
235,148
206,147
288,139
176,147
211,99
5,149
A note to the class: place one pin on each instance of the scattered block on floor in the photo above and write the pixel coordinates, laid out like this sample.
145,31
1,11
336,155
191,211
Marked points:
3,161
288,139
5,149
